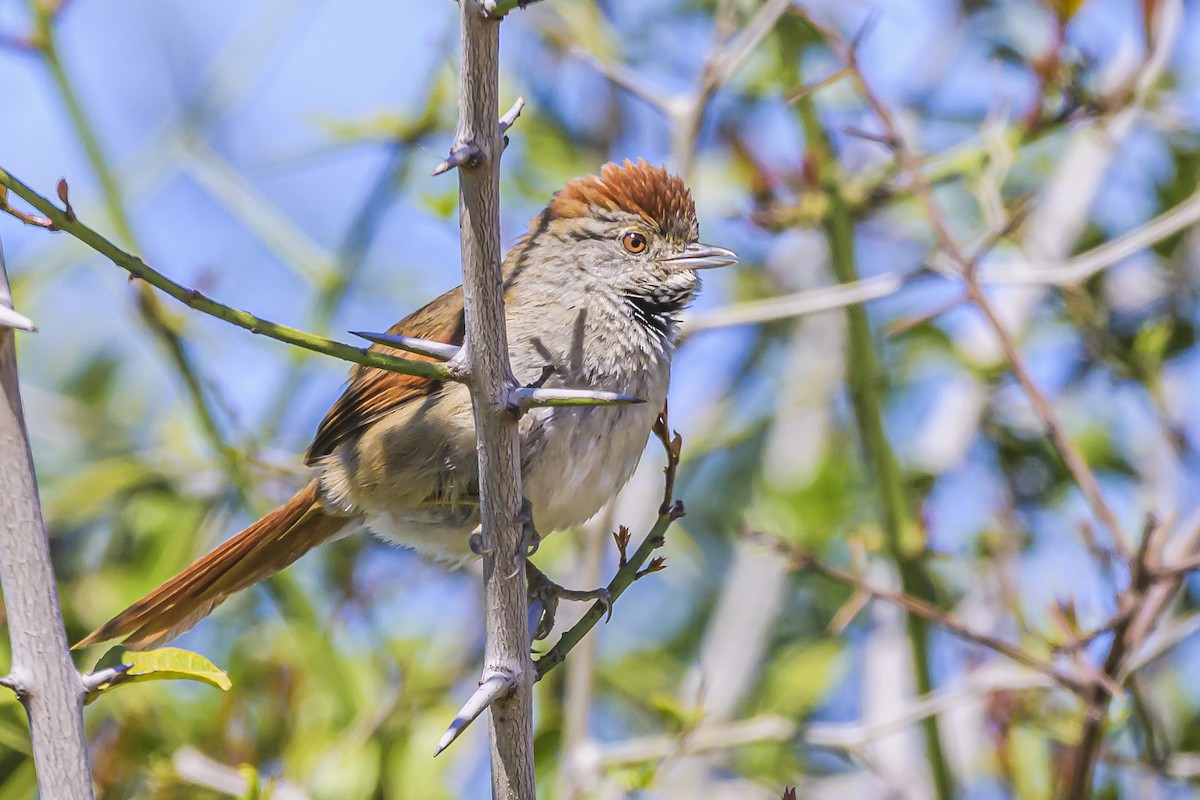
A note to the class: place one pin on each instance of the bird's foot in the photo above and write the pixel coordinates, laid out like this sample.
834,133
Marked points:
478,544
530,538
548,593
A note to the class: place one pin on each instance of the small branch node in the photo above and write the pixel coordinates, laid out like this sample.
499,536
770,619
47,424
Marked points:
621,536
657,564
16,685
64,195
491,689
465,155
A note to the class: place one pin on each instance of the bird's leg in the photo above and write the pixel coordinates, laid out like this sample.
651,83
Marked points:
549,593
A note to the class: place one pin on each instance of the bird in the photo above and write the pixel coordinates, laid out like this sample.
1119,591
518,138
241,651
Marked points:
593,293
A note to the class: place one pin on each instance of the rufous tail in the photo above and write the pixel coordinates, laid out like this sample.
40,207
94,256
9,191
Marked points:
258,552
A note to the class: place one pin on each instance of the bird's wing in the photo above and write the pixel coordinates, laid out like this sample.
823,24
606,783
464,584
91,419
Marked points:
373,392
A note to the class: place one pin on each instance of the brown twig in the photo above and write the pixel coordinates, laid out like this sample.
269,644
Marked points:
911,165
1124,639
801,560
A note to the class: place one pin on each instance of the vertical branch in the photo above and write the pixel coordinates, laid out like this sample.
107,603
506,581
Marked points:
42,673
865,380
485,354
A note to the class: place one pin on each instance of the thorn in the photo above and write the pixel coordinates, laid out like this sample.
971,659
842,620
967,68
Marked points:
510,116
424,347
467,155
94,680
490,689
526,397
880,138
13,319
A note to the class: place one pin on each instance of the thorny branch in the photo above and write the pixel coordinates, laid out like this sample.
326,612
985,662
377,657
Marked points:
801,560
630,568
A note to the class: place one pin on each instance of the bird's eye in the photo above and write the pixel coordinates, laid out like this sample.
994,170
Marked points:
633,242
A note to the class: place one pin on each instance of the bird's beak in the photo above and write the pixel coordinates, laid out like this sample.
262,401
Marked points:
702,256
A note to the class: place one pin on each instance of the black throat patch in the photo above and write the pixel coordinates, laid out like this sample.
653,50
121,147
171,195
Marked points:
660,311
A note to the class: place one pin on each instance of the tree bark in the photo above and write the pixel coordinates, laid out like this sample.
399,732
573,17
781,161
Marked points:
42,674
486,355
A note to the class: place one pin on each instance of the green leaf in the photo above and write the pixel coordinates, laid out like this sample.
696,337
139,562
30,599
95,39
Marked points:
172,663
163,664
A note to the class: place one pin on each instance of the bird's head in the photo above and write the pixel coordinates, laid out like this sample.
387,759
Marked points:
631,229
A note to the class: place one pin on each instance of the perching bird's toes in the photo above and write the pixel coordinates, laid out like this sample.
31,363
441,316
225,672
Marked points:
478,544
549,593
530,538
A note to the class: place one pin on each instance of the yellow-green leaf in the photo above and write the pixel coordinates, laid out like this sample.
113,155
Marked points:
172,663
164,664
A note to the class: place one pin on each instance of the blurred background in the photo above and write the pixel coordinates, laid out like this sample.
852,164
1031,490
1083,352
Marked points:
276,155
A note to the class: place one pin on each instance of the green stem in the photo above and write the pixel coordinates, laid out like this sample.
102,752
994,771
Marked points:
194,299
624,578
866,378
148,306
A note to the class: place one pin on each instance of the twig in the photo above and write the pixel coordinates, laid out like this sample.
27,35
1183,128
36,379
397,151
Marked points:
628,79
685,111
41,674
196,768
1074,461
624,578
630,568
152,314
802,560
194,299
841,736
912,167
1096,700
795,305
864,378
1084,266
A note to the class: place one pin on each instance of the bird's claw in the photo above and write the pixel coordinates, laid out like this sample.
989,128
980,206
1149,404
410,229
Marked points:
549,593
479,546
530,538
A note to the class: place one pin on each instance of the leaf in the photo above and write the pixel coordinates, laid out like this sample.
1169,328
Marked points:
163,664
172,663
